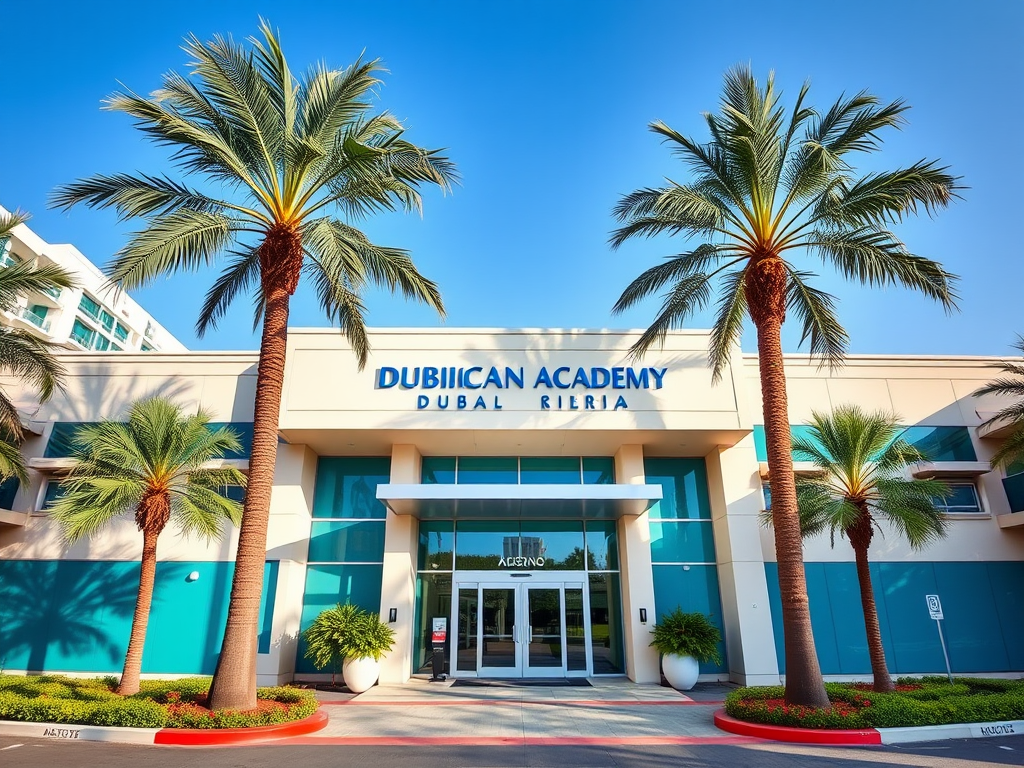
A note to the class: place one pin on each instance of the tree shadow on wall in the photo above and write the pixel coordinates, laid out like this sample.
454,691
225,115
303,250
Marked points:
65,604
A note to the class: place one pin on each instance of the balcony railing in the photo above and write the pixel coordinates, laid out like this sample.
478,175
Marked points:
53,293
88,312
83,338
37,320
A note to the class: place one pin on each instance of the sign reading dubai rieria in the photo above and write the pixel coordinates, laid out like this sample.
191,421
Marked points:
570,389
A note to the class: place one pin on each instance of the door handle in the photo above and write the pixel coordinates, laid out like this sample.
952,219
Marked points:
531,633
515,635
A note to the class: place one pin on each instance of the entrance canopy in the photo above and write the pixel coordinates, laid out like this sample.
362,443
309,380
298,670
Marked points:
513,501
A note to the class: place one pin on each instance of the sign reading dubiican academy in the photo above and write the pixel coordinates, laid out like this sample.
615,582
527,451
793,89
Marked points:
562,388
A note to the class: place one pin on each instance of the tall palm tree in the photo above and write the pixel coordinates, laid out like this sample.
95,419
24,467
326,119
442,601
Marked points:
155,466
861,458
23,354
1011,452
767,187
288,163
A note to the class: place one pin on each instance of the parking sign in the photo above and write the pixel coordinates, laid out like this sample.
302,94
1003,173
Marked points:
934,606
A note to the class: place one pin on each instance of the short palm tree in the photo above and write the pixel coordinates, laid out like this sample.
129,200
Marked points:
770,186
288,164
1011,452
23,354
155,466
860,460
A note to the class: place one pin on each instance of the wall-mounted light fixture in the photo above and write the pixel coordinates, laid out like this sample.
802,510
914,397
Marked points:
392,615
643,615
194,576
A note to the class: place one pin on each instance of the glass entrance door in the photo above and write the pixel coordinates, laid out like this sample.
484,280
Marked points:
521,630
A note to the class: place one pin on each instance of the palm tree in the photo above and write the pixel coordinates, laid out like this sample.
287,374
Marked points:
1011,452
278,154
769,186
860,460
157,467
22,354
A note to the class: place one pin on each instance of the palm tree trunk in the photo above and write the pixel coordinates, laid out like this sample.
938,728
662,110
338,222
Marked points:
766,302
879,669
132,672
234,681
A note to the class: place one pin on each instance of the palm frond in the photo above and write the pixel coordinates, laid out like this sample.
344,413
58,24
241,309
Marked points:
8,221
31,277
816,311
728,325
240,275
31,359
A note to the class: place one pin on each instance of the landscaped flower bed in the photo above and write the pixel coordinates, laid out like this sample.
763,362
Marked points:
160,703
916,702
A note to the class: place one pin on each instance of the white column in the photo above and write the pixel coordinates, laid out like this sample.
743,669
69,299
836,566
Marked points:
291,508
398,587
734,487
637,574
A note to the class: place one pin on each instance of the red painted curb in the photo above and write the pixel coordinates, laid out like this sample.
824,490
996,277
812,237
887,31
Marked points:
858,737
194,737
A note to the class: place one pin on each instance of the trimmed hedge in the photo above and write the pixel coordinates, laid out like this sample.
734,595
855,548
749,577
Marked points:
924,701
159,703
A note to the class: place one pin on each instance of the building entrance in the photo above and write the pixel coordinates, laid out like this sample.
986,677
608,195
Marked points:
511,628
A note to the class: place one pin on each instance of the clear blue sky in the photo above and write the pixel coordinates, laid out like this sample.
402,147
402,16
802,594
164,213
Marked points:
544,106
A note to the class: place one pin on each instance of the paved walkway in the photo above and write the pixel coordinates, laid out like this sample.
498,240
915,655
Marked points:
610,712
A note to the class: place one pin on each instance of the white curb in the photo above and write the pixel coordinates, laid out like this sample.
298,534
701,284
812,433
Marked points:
956,731
64,732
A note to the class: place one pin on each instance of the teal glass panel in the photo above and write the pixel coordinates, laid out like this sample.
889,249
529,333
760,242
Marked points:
942,443
242,430
962,499
433,601
606,641
1014,487
436,545
106,320
102,343
329,585
555,470
267,610
761,446
559,542
90,306
438,470
479,470
347,487
75,615
684,487
598,470
8,490
339,541
480,544
121,332
81,333
692,588
974,637
682,542
60,444
1007,580
602,545
54,490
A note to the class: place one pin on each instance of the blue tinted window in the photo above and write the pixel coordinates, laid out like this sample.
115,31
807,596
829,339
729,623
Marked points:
438,470
242,430
682,542
347,487
602,545
555,470
8,490
684,487
339,541
481,470
942,443
436,545
598,470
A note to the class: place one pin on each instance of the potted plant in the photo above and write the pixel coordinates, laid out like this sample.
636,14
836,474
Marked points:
350,638
684,641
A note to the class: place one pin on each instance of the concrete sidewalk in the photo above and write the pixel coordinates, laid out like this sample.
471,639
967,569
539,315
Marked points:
610,712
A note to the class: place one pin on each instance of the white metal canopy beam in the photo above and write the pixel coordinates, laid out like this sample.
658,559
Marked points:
583,501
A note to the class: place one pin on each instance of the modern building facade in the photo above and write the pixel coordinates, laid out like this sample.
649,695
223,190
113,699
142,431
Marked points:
540,492
90,317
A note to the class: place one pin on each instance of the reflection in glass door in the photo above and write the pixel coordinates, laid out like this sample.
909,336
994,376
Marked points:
544,631
499,646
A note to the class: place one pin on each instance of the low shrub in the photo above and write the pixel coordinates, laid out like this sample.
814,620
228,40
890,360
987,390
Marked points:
916,702
159,704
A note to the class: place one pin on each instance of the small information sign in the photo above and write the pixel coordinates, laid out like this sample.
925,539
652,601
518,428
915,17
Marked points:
934,606
439,630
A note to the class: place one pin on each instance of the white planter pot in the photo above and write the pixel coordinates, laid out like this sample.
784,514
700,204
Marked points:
360,674
680,671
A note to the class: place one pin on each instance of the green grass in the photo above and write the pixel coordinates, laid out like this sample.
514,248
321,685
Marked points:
924,701
159,704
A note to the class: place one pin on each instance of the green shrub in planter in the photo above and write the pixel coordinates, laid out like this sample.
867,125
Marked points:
346,631
370,638
129,713
687,634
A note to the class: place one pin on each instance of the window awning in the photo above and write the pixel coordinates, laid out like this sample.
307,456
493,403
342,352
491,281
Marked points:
513,501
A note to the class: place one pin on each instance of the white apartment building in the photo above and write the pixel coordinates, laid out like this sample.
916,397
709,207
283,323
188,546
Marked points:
90,317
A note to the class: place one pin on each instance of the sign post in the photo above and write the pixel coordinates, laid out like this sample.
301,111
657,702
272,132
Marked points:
935,612
438,636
